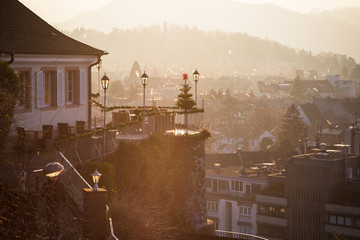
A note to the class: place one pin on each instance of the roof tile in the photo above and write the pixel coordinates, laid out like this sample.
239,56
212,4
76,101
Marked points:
23,32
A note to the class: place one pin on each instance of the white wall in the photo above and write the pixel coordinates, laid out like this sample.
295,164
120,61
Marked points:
36,117
236,203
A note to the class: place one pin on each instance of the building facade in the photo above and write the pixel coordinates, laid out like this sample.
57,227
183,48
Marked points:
318,197
231,198
54,70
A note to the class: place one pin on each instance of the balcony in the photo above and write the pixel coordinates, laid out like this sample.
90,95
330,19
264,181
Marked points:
278,201
225,193
237,235
342,209
346,231
270,220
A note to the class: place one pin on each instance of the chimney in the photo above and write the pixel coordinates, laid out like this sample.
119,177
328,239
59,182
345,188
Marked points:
323,147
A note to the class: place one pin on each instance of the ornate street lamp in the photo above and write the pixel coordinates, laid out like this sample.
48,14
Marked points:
96,178
105,84
144,79
196,77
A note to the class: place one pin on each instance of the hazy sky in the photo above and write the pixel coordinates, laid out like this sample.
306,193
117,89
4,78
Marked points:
61,10
305,6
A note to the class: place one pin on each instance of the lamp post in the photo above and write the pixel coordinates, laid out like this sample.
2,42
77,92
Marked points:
94,204
185,77
196,77
96,178
144,79
105,84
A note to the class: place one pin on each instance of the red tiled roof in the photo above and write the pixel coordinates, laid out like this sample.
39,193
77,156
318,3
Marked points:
23,32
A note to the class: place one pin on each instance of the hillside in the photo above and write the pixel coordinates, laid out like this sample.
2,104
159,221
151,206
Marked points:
337,31
215,53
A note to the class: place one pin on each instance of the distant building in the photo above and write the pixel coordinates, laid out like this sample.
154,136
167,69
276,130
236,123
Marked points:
337,111
316,198
352,139
231,195
231,188
254,142
318,88
310,114
272,209
335,115
344,88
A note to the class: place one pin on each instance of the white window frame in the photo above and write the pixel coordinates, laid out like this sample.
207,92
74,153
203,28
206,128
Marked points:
25,88
212,206
68,91
47,78
245,211
237,186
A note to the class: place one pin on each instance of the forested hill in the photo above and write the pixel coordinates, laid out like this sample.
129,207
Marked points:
214,52
335,31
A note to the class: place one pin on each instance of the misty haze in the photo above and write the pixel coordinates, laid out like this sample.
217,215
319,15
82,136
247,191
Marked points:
166,119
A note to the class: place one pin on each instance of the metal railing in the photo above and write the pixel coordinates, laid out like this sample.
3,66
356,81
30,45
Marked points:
112,235
76,194
237,235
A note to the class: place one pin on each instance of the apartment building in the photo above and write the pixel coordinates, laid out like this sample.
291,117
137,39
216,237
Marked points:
318,197
231,202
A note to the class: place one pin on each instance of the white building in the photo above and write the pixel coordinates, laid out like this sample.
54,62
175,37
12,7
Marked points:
254,143
343,88
231,202
55,70
228,144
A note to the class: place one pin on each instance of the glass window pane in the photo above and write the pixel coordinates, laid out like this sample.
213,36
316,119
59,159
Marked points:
262,209
47,88
357,223
340,220
348,221
332,219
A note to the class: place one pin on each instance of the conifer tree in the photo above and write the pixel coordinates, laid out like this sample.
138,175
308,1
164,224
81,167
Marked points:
185,100
291,129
